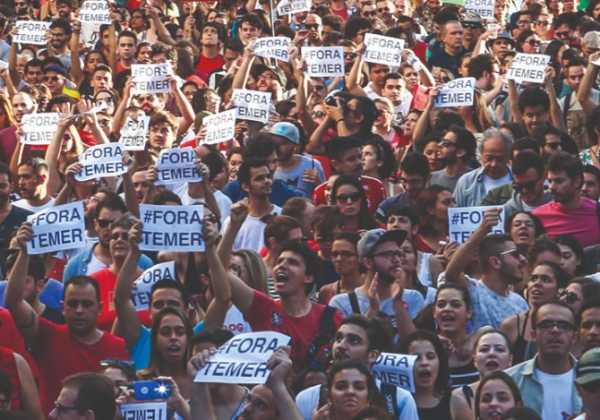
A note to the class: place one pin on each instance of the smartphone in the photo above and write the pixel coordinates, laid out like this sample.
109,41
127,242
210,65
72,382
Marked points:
151,390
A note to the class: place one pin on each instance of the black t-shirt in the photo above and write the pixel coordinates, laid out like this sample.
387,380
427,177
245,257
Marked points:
53,315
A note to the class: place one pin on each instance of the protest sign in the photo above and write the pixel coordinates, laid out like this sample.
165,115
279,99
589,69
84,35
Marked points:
135,133
177,165
324,61
456,2
528,68
150,78
383,50
3,64
457,92
465,220
273,47
396,369
219,127
176,228
31,32
92,111
243,359
145,411
57,229
290,7
39,128
140,294
92,14
252,105
484,8
101,161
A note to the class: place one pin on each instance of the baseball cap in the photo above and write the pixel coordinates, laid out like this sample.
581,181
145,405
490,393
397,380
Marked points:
287,130
374,237
503,35
588,368
472,18
592,40
59,69
261,68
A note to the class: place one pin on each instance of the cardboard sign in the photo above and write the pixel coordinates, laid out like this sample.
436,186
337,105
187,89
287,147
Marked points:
177,165
39,128
273,47
150,78
324,61
134,134
176,228
31,32
484,8
140,294
92,14
102,161
529,68
243,359
57,229
290,7
146,411
252,105
396,369
383,50
457,92
465,220
219,127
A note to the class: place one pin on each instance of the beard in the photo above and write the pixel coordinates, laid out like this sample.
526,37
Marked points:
507,273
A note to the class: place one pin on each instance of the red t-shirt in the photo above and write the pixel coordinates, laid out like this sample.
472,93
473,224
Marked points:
207,65
268,315
343,13
11,338
59,355
420,50
373,188
8,364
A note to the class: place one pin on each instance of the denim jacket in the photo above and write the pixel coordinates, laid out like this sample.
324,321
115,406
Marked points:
469,190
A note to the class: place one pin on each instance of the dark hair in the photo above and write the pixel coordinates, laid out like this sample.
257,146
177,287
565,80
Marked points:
503,376
592,125
540,245
160,48
499,332
466,297
63,24
252,20
4,169
384,154
534,315
128,34
515,128
234,44
440,385
533,96
246,166
365,219
528,160
406,211
522,37
371,412
279,227
327,218
365,107
572,242
170,284
559,274
521,413
34,62
377,334
298,385
35,269
587,169
216,336
416,164
569,19
356,24
295,207
165,196
537,223
481,63
95,392
111,202
490,246
126,367
563,161
465,140
82,280
444,16
38,165
425,201
345,364
261,146
310,258
526,143
338,146
6,387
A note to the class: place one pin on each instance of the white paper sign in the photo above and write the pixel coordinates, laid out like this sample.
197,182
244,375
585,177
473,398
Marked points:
57,229
140,294
177,165
219,127
324,61
134,134
383,50
273,47
176,228
465,220
290,7
146,411
92,14
457,92
396,369
243,359
39,128
484,8
101,161
92,111
529,68
3,64
31,32
150,78
252,105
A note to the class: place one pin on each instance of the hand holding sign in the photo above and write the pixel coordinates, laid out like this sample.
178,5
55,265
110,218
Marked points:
71,171
467,221
24,235
280,365
491,218
198,361
135,236
211,232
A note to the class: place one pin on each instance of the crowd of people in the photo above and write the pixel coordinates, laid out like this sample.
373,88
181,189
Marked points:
329,223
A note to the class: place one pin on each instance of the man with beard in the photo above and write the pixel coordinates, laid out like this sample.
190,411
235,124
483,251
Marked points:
380,253
61,350
591,182
256,179
33,176
363,339
314,26
22,103
385,11
589,325
546,381
569,212
501,265
454,151
270,79
528,184
60,33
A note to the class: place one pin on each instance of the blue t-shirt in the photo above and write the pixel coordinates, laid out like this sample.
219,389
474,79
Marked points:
52,294
280,192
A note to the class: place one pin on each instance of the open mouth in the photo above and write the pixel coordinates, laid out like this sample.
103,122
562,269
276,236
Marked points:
424,374
492,365
281,277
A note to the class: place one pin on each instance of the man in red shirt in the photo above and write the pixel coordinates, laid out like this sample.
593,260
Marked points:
210,58
61,350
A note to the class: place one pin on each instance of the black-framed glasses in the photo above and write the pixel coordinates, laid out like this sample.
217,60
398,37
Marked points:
342,254
524,22
343,198
371,13
62,409
472,25
318,88
570,297
447,143
548,325
121,362
390,255
534,43
513,251
311,25
53,78
543,23
104,223
529,185
115,236
562,34
350,55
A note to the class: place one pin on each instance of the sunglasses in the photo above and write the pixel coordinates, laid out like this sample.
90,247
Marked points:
543,23
311,25
103,223
570,297
533,43
317,114
318,88
562,34
343,198
472,25
529,185
119,235
53,78
447,143
350,55
524,22
371,13
342,254
548,325
514,252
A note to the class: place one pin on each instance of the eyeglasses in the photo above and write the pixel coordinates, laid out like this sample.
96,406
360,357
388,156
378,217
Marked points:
570,297
529,185
211,218
103,223
317,114
513,251
311,25
447,143
61,409
556,145
591,388
53,78
562,34
115,236
390,255
371,13
267,77
533,42
122,362
343,198
548,325
472,25
146,98
543,23
524,22
20,4
344,255
236,269
318,88
350,55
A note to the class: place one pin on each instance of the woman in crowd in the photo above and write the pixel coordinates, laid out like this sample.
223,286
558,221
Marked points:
383,125
497,393
578,291
432,205
121,372
349,196
410,266
477,117
430,149
327,223
524,228
528,42
572,260
108,98
433,396
378,162
7,118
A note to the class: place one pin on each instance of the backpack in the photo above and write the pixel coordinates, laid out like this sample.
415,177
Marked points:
319,349
388,392
388,321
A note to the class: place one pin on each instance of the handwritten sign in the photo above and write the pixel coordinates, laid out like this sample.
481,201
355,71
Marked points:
243,359
484,8
324,61
150,78
273,47
383,50
140,294
465,220
39,128
146,411
57,229
396,369
528,68
177,165
92,14
31,32
176,228
219,127
134,134
458,92
252,105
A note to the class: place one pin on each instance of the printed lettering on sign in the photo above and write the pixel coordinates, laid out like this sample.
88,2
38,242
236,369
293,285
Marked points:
219,127
144,411
273,47
177,165
151,78
134,133
57,229
484,8
176,228
396,369
383,50
529,68
324,61
140,294
101,161
252,105
458,92
465,220
31,32
39,128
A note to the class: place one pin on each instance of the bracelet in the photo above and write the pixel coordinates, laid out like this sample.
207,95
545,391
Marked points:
338,121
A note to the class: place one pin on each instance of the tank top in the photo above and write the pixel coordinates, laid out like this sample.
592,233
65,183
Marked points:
463,375
520,345
440,411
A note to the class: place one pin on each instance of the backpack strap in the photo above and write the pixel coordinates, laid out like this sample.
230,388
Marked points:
326,324
322,399
354,302
390,395
567,106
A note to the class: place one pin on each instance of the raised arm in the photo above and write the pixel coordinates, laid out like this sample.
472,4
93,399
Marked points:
558,119
513,100
26,319
130,196
355,73
215,315
185,107
585,89
12,60
203,190
412,59
112,49
404,324
64,196
161,31
54,149
239,80
280,365
423,121
302,92
128,325
200,401
77,73
123,105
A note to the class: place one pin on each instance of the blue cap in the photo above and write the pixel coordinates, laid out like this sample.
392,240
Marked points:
287,130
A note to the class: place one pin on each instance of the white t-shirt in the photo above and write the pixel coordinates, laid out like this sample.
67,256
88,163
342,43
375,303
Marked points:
558,390
489,183
95,265
22,203
235,322
251,233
